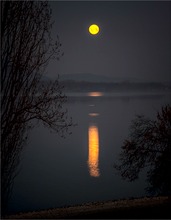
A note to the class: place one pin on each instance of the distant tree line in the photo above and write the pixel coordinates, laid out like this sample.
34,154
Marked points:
84,86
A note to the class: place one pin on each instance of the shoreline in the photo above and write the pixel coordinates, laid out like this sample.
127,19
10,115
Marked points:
146,207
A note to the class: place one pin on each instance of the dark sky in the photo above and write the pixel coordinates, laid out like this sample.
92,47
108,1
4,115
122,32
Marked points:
134,39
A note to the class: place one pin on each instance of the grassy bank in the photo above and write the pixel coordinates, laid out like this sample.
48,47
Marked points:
148,207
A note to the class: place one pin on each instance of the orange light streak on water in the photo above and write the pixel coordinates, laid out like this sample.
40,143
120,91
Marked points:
95,94
93,151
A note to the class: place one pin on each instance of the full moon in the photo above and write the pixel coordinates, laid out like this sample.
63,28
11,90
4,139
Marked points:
94,29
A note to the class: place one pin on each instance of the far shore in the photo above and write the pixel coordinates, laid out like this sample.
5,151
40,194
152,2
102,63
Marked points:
147,207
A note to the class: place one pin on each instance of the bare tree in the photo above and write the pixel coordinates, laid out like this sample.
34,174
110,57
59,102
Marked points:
149,145
27,47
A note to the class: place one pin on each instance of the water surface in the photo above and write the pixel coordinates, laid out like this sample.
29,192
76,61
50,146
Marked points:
57,172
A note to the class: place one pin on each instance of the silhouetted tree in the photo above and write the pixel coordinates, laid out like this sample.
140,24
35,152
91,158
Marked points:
27,47
149,145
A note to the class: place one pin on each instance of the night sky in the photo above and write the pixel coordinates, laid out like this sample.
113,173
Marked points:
134,39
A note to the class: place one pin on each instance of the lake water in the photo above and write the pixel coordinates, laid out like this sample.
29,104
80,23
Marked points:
57,172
